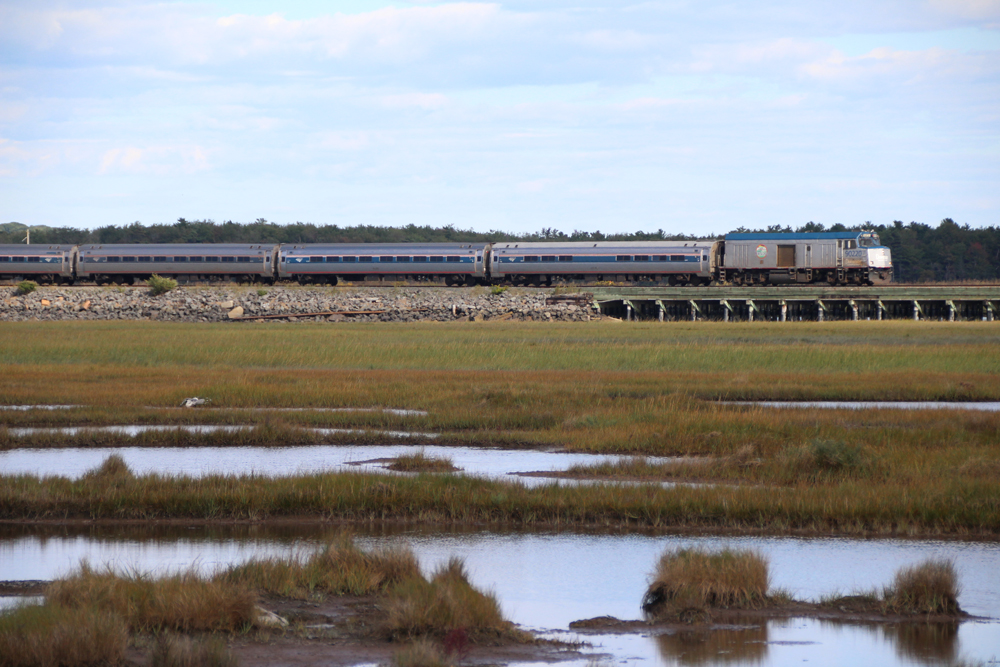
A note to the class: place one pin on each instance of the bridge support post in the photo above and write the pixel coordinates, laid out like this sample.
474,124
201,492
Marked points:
989,311
659,308
916,310
854,311
751,306
694,310
951,310
819,310
881,307
725,309
784,311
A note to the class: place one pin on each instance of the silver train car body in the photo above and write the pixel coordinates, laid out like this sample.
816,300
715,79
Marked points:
37,261
458,263
113,262
837,258
672,262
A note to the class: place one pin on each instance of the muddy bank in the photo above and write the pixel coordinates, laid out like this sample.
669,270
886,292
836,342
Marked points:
281,303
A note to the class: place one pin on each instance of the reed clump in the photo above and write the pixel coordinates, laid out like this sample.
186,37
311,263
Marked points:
687,583
421,462
339,568
421,653
828,458
930,587
183,602
52,634
173,650
419,607
112,469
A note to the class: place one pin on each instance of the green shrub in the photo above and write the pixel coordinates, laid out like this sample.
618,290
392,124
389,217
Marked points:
262,292
159,285
26,287
498,289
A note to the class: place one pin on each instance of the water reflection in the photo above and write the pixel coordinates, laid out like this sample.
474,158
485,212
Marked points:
703,646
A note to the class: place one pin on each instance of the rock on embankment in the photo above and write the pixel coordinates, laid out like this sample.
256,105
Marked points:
217,304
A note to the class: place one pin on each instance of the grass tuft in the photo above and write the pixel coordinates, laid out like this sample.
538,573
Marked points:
183,602
180,651
928,588
46,635
26,287
340,568
826,458
113,468
420,462
689,582
418,607
421,653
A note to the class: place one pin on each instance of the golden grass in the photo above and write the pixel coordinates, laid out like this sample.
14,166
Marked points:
173,650
418,607
184,602
420,462
421,653
339,568
48,635
692,581
930,587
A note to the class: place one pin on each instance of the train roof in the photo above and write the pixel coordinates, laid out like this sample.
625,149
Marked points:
794,236
177,248
33,248
376,247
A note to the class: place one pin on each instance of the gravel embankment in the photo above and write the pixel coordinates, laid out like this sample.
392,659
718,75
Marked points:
227,304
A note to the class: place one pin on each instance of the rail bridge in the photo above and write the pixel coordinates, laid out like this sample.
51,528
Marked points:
799,303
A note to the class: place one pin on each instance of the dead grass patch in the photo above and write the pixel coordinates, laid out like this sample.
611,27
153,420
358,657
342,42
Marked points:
420,462
48,635
930,587
183,602
688,583
173,650
339,568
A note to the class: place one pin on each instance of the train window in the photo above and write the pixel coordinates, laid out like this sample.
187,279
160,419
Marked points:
145,258
32,259
114,259
247,259
402,258
386,258
160,258
852,244
211,259
565,258
418,258
128,259
349,258
365,258
454,258
4,259
641,258
176,259
530,258
548,258
230,259
17,259
659,258
623,258
437,258
677,258
332,258
196,258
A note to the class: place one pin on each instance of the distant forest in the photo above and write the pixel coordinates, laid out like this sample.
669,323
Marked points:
920,252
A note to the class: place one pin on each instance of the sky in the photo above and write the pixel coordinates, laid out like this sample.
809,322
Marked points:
690,117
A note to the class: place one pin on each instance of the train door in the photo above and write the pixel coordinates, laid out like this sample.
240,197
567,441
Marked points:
840,253
808,259
786,257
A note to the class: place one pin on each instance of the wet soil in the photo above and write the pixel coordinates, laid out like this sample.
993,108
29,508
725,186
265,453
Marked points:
848,610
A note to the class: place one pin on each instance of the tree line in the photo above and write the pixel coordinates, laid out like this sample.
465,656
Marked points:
920,252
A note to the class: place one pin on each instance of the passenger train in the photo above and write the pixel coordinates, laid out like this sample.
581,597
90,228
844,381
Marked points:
835,258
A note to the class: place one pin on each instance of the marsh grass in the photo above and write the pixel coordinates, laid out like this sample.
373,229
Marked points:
421,653
112,469
420,462
419,607
690,582
171,650
339,568
47,635
183,602
930,587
